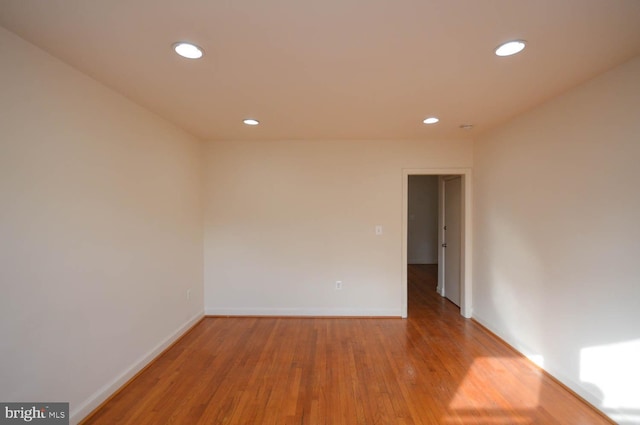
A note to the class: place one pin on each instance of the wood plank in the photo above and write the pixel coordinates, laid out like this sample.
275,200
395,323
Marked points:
433,368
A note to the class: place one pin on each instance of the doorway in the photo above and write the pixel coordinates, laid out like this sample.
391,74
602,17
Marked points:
460,263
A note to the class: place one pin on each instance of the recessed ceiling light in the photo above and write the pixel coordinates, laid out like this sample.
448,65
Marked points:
510,47
188,50
431,120
250,121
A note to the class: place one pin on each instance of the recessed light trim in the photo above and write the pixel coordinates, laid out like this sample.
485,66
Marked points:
510,47
431,120
188,50
251,121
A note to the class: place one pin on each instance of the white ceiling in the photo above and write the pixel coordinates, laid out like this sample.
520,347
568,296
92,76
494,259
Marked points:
333,69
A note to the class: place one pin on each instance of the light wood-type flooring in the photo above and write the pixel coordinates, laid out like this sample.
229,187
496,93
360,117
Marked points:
433,368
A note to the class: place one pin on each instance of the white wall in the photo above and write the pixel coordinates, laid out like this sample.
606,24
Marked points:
100,232
557,239
422,236
286,219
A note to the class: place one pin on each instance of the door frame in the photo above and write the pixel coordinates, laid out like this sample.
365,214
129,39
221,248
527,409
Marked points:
466,272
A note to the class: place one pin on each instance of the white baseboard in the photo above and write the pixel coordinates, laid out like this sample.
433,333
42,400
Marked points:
316,312
76,415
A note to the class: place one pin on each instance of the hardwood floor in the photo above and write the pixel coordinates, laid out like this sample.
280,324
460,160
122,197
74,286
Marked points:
433,368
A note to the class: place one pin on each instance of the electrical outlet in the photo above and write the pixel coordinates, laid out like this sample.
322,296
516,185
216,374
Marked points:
378,230
188,294
338,285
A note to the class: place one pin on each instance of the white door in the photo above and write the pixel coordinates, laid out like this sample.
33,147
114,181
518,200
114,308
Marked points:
452,238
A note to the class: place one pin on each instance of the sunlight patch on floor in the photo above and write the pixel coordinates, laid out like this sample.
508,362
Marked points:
481,388
482,400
